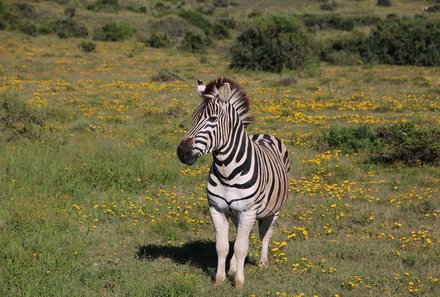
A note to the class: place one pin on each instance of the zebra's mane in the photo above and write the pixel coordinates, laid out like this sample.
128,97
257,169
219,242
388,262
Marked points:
237,97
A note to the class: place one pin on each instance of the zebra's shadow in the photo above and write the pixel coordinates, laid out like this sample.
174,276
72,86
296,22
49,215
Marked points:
200,253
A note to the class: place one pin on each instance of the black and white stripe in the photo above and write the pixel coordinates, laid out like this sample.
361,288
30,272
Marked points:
248,179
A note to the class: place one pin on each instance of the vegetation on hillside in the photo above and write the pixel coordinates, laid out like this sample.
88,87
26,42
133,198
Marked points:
203,25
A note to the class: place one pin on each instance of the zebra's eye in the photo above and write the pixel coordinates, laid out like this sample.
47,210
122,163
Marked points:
212,119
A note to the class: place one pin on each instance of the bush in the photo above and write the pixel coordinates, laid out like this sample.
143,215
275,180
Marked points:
18,120
69,12
395,41
171,25
404,41
24,10
386,3
343,58
165,75
69,28
329,6
397,143
273,44
194,42
348,139
111,6
197,19
158,40
114,32
87,46
408,144
334,21
221,3
17,16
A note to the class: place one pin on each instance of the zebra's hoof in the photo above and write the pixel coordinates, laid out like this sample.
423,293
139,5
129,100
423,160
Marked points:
219,282
239,284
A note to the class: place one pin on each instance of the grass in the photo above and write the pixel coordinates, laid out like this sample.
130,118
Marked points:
97,203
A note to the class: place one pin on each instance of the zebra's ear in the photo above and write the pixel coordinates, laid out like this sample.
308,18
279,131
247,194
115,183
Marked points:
224,92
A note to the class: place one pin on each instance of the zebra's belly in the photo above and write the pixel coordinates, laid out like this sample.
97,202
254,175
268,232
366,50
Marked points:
228,199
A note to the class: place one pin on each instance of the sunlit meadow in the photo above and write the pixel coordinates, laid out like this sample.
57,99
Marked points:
99,205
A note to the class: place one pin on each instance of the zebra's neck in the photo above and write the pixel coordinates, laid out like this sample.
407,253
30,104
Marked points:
234,158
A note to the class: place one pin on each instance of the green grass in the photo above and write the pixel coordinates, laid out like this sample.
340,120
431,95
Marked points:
97,203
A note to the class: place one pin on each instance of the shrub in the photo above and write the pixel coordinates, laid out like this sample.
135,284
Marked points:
18,120
166,75
197,19
334,21
194,42
171,25
386,3
433,8
70,28
273,44
87,46
22,9
158,40
26,27
408,144
219,31
69,12
396,41
343,58
329,6
111,6
403,41
348,139
114,32
17,17
221,3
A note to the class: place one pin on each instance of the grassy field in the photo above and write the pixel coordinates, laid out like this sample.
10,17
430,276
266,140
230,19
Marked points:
94,201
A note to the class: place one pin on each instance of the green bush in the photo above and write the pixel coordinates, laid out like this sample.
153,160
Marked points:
273,44
194,42
386,3
403,143
70,12
395,41
404,41
165,75
408,144
87,46
348,139
329,6
333,21
18,120
114,32
158,40
111,6
197,19
170,25
17,17
70,28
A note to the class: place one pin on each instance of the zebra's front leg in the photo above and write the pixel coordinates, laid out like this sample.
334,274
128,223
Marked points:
220,222
233,262
245,222
266,229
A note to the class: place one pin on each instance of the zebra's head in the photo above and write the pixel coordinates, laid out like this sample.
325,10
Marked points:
224,105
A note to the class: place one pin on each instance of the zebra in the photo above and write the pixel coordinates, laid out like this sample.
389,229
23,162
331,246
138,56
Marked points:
248,179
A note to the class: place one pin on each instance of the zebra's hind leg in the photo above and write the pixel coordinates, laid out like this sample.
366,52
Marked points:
221,226
266,228
245,222
233,262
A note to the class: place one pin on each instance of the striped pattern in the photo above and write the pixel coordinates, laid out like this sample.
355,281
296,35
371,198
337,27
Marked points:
248,179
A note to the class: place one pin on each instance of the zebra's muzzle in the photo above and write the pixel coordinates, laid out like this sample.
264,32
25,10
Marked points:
185,152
